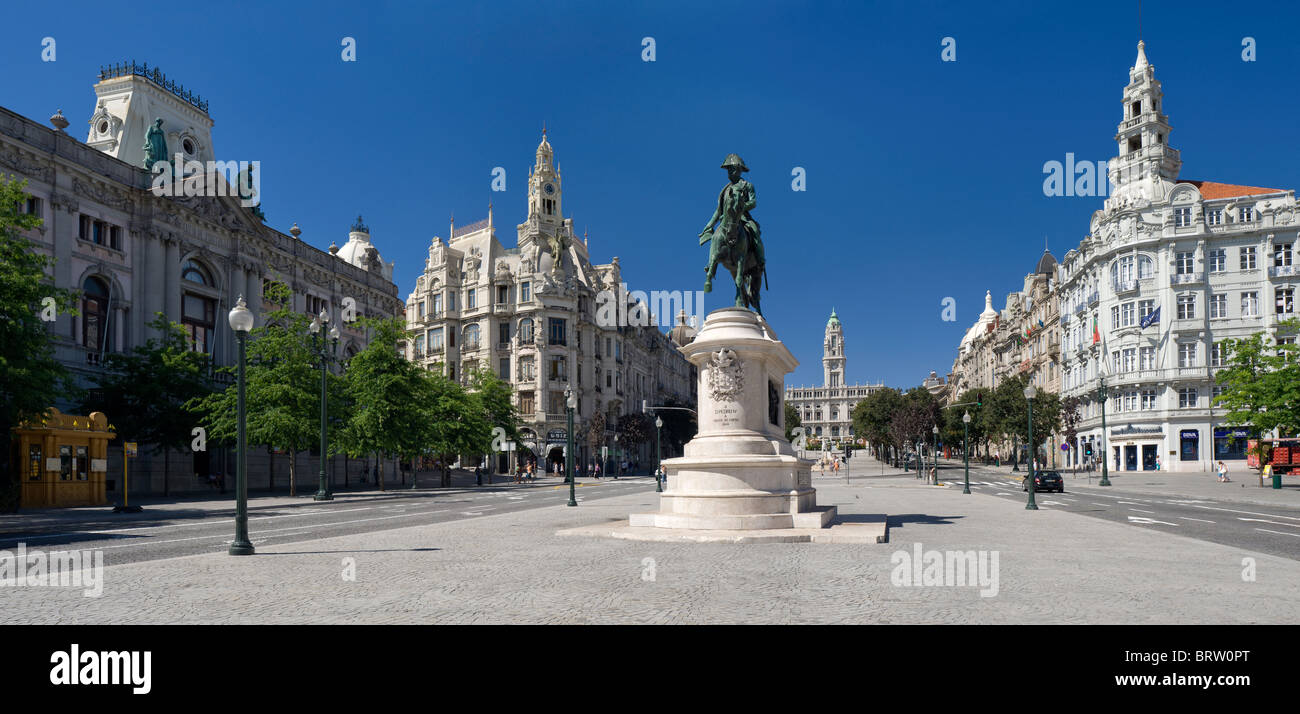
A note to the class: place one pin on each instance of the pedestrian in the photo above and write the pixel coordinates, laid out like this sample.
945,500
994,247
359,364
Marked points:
1157,463
1223,472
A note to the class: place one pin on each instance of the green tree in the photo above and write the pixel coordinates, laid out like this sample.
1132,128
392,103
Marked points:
30,378
1007,416
633,430
456,421
679,427
1261,381
792,421
873,416
144,392
953,432
283,387
493,397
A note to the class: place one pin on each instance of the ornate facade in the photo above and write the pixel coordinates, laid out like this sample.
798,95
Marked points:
130,253
1171,267
533,315
826,412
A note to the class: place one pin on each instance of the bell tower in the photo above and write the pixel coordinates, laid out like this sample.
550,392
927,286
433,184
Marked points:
1145,166
544,187
833,353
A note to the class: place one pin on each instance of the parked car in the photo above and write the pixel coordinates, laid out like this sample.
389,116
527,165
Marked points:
1044,481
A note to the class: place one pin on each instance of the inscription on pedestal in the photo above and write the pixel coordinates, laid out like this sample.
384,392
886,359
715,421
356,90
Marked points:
726,416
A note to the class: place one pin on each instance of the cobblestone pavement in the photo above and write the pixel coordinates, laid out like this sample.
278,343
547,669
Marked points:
1054,566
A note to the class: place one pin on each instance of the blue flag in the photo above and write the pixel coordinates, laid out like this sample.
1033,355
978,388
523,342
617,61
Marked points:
1152,318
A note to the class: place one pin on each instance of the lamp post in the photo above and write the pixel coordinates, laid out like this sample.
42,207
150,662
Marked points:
570,403
934,456
965,448
1101,396
241,321
1030,393
659,457
323,351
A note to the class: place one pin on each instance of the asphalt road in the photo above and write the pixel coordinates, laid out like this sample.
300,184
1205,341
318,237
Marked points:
154,534
1274,529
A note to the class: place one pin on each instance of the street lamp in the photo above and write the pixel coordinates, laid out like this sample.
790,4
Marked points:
1102,451
571,403
241,321
965,447
934,457
1030,393
659,457
324,351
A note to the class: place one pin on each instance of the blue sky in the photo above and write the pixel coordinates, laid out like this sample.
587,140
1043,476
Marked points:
924,177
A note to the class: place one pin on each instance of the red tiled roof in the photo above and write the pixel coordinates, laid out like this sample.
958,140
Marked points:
1210,189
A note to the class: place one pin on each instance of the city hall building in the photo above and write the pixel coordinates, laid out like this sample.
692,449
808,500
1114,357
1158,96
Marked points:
1170,269
532,315
129,253
826,412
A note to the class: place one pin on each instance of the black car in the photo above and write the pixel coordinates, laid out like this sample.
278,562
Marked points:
1045,481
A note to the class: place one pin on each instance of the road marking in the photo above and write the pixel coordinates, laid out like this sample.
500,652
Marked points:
1104,505
1139,510
1148,521
1249,513
1265,520
1131,503
1297,535
471,513
1202,520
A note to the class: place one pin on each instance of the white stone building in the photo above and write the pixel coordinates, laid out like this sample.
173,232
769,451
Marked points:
531,314
826,412
1170,269
130,253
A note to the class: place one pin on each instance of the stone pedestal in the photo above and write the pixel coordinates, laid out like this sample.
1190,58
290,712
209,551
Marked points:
739,472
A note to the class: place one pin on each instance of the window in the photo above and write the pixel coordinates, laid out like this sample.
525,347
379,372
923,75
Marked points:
194,273
1216,354
525,292
419,309
1114,361
1182,217
451,337
556,332
1130,401
1219,305
1247,258
1218,260
198,315
1285,301
1183,263
526,330
437,305
1145,308
526,403
435,341
527,369
99,232
419,346
1250,304
315,305
1148,399
471,298
558,371
94,314
1147,357
1114,317
504,371
451,300
1146,267
503,333
1187,354
451,369
1129,359
503,294
31,206
471,341
1247,214
1281,254
1127,316
1187,398
1214,217
1186,307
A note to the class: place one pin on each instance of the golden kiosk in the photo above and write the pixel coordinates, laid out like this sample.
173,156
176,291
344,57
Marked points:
64,460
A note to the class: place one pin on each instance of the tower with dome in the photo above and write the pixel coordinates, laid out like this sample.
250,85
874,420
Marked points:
826,412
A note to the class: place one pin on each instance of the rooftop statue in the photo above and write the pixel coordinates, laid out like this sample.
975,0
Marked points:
734,239
155,145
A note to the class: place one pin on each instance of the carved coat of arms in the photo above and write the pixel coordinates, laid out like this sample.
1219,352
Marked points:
726,375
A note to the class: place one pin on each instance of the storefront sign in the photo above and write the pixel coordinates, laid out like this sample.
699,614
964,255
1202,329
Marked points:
1189,434
557,435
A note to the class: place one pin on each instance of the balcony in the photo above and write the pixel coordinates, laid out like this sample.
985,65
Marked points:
1186,278
1124,287
1065,319
1093,299
1079,309
1283,271
503,347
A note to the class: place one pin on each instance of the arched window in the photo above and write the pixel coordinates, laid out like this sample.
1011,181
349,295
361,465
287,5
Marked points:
94,314
471,337
198,309
526,330
194,273
1146,267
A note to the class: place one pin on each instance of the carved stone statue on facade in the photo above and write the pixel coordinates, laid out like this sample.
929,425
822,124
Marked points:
155,145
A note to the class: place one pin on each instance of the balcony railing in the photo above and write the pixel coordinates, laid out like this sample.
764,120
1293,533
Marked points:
1093,299
1079,309
1186,278
1125,286
1280,271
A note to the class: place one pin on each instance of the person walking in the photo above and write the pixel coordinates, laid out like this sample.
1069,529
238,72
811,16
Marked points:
1157,463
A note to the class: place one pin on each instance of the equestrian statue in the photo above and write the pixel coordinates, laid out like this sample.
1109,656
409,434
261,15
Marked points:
733,238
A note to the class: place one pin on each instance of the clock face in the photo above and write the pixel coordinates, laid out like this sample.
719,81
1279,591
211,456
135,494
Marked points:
549,189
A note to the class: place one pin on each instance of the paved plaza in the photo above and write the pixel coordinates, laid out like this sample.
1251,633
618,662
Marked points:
1053,567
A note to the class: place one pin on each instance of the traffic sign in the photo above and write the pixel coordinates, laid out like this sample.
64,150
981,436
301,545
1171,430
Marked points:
131,448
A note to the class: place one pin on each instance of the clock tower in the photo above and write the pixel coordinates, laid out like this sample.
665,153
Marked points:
544,187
